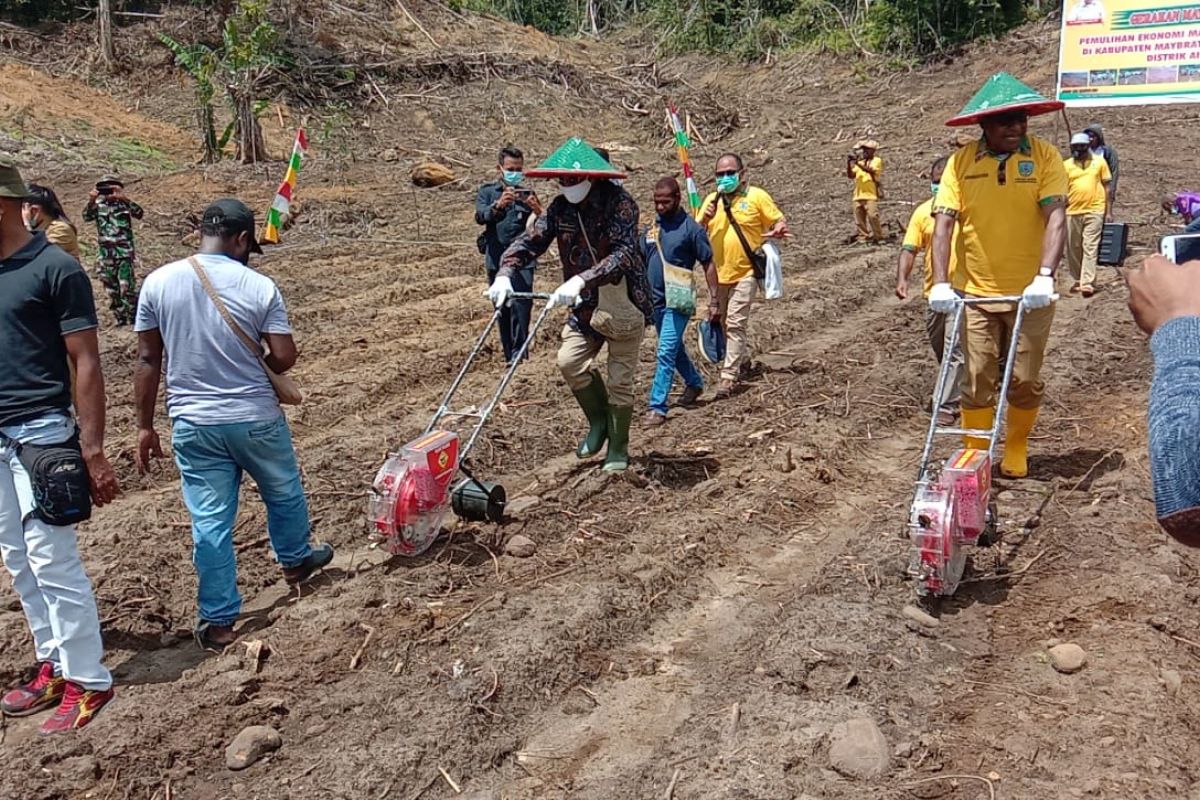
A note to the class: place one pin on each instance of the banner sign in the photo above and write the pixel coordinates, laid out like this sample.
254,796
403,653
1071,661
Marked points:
1129,52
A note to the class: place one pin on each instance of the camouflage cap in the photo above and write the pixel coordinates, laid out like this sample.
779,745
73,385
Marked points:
12,186
110,180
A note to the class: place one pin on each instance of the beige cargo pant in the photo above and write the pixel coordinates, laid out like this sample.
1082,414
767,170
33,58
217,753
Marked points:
577,353
735,300
1083,246
988,330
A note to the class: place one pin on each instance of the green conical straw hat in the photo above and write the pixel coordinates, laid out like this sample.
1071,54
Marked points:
1003,92
575,157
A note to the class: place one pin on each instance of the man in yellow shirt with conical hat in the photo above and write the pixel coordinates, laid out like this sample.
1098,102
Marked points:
1008,193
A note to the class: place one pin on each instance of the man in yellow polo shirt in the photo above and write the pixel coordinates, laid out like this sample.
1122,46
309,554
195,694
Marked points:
866,170
757,218
1089,204
919,239
1008,192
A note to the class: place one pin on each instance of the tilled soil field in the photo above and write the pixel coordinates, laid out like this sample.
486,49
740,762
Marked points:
696,627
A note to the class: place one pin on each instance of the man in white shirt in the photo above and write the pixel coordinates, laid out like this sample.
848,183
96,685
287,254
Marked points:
225,415
1086,12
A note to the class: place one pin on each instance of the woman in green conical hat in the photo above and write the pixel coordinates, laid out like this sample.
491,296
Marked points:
1008,192
594,221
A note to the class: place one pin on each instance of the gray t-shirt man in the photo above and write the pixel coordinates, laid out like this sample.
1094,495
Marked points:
212,377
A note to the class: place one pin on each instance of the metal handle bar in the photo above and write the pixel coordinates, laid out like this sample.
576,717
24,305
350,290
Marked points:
944,373
444,405
983,301
486,411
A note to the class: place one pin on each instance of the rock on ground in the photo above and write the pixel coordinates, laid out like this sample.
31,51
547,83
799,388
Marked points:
859,749
920,616
1068,657
250,745
520,546
81,769
521,504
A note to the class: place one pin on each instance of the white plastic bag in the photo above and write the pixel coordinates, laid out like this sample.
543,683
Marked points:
773,280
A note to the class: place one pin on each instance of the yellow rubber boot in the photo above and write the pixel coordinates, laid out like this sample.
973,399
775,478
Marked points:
1016,442
977,419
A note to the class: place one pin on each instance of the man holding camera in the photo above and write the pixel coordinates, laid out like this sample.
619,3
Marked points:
52,464
113,214
866,169
505,208
738,217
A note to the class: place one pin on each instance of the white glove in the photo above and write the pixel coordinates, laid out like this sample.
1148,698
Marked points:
943,299
1040,293
499,291
567,294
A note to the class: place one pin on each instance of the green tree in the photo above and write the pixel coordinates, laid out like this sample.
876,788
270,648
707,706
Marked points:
200,62
250,50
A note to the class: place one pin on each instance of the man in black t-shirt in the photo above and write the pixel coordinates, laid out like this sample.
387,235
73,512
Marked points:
47,322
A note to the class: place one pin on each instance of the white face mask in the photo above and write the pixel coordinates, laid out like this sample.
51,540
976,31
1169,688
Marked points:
576,194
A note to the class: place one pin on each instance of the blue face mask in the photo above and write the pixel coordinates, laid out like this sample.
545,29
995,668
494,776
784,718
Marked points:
933,187
727,183
513,178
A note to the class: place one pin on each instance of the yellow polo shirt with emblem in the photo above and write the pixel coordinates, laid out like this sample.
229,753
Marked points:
919,239
756,213
998,202
1086,192
866,187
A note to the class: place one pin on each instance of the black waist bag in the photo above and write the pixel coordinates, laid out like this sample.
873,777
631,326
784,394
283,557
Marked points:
62,492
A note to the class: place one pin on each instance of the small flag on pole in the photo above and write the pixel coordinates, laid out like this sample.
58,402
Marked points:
283,198
681,147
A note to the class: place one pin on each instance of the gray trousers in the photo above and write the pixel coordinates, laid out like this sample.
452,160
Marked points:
938,328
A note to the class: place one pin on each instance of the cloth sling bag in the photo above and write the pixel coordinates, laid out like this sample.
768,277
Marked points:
285,388
615,317
758,259
679,283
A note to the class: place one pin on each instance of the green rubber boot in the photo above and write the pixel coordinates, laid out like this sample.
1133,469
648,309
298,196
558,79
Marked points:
617,457
593,399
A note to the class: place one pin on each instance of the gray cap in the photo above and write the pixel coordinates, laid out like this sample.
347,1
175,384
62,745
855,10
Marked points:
12,186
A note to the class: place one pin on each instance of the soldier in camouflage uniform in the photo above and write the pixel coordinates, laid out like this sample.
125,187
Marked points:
113,214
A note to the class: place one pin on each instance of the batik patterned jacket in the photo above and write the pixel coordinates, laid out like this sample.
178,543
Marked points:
609,218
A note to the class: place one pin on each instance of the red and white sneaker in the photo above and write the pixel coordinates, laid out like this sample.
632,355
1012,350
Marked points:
77,708
44,691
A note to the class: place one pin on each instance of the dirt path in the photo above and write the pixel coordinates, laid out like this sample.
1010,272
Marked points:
704,620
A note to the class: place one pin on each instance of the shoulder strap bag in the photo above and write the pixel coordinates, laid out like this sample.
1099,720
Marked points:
679,283
285,388
615,317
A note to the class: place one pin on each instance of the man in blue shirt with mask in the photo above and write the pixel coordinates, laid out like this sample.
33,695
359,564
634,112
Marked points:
679,240
505,208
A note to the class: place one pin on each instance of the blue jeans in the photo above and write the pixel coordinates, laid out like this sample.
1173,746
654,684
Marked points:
211,460
514,317
672,356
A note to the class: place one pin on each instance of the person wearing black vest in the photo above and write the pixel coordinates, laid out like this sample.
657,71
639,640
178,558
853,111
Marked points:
505,208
